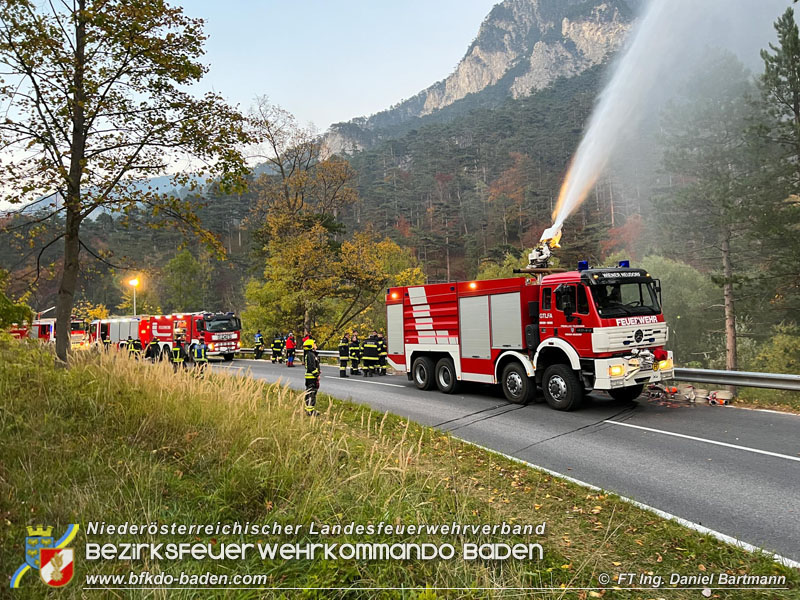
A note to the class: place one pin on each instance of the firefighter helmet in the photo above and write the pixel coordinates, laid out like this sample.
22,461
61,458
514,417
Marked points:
309,343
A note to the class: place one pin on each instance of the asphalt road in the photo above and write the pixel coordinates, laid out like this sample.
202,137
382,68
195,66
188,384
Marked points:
732,470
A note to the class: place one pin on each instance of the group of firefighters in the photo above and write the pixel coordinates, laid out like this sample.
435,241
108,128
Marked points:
372,352
152,352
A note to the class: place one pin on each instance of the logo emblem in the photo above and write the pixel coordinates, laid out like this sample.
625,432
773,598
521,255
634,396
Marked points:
638,336
51,557
57,566
38,538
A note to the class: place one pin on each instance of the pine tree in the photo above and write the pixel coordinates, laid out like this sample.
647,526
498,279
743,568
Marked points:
778,222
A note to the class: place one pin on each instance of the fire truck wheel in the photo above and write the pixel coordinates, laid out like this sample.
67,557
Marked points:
227,357
561,387
516,385
627,394
446,376
423,372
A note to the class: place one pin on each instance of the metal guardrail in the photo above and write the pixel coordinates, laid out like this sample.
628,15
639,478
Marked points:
772,381
268,352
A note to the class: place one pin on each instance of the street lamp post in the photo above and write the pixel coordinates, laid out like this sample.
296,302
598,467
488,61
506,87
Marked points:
134,283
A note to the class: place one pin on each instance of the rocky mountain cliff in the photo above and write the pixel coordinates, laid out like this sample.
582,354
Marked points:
522,46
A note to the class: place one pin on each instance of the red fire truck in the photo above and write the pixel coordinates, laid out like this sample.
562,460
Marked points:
45,331
568,332
220,331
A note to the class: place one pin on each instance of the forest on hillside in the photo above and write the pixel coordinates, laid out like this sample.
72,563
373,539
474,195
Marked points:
709,203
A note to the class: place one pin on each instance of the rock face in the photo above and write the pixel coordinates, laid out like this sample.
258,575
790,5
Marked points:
522,46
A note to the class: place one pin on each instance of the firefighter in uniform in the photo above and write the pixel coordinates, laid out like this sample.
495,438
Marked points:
106,342
277,348
382,354
355,354
370,356
258,346
134,347
311,362
344,355
200,357
152,351
178,354
291,345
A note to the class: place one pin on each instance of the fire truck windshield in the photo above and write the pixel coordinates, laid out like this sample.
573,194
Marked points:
77,326
620,299
223,324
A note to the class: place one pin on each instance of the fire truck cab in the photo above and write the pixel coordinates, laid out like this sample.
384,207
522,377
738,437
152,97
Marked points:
568,332
220,332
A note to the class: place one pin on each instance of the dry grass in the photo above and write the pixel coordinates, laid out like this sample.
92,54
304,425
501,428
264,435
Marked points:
110,439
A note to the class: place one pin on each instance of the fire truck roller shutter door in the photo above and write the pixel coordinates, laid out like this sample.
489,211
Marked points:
474,320
506,321
394,328
113,331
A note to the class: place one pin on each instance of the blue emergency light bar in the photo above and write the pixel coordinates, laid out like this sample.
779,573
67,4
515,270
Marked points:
625,264
583,265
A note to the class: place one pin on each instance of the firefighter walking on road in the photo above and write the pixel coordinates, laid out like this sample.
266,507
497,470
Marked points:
277,348
371,354
355,354
311,362
382,354
344,355
200,357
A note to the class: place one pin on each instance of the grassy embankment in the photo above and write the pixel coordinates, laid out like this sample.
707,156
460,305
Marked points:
113,440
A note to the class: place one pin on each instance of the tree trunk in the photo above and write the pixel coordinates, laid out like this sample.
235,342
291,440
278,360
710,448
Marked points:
731,363
72,244
66,291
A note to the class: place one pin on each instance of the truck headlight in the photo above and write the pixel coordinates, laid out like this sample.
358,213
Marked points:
616,370
665,365
238,344
211,346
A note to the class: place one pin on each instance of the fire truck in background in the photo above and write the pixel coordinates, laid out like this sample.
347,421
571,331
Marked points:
568,332
220,331
45,330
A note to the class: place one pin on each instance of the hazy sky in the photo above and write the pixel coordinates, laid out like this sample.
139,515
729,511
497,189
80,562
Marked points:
328,61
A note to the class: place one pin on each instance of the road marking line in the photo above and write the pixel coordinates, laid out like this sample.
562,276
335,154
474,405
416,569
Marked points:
716,443
360,381
663,514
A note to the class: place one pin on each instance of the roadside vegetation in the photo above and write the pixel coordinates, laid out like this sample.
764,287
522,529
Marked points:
114,440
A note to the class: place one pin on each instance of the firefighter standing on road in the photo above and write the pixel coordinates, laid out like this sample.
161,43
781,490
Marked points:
370,355
258,346
291,345
178,354
152,350
277,348
200,357
311,362
106,342
355,354
344,355
134,347
382,354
